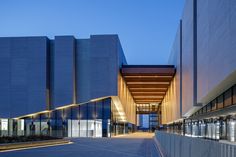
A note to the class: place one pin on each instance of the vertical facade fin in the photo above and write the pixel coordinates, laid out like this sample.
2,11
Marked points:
194,52
48,77
180,50
74,74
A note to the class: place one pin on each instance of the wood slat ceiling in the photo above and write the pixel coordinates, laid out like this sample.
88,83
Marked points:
148,83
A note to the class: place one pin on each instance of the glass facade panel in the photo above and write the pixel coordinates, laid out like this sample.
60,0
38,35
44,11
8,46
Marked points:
231,130
195,131
66,117
204,109
98,128
29,126
74,128
4,127
91,110
83,128
214,105
91,128
203,129
234,94
36,125
20,127
210,130
217,130
60,123
209,107
53,123
228,98
83,120
106,118
45,121
99,110
220,103
223,129
107,109
98,118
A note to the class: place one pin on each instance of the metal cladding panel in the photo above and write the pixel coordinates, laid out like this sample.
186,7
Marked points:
103,65
82,70
98,60
187,58
63,71
216,47
23,75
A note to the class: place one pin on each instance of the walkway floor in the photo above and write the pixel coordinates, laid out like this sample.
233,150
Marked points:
133,145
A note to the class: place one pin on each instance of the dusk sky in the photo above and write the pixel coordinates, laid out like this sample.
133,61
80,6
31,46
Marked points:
146,28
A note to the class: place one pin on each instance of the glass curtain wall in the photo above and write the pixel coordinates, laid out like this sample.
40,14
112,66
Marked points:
93,119
116,124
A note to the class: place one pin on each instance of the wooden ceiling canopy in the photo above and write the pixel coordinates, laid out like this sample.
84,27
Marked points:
148,83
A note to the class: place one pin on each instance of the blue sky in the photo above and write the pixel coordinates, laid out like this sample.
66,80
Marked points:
146,28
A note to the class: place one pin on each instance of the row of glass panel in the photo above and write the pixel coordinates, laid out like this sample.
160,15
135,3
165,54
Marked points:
224,100
216,129
223,128
94,119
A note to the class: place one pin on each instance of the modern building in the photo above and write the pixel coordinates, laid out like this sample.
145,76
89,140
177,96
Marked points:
72,87
201,99
85,88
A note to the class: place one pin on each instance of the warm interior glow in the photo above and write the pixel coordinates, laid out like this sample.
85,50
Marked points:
154,83
151,76
147,88
151,96
148,93
119,108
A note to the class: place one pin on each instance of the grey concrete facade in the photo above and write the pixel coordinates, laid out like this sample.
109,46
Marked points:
39,74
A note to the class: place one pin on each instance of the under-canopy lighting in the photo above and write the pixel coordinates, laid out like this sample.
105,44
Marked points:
147,88
144,83
151,76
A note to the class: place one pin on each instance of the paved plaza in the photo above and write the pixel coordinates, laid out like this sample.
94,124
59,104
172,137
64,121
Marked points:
132,145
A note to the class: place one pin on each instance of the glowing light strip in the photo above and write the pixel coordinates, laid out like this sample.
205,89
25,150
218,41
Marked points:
63,107
97,99
32,114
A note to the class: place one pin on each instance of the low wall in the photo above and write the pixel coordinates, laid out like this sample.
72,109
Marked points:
173,145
